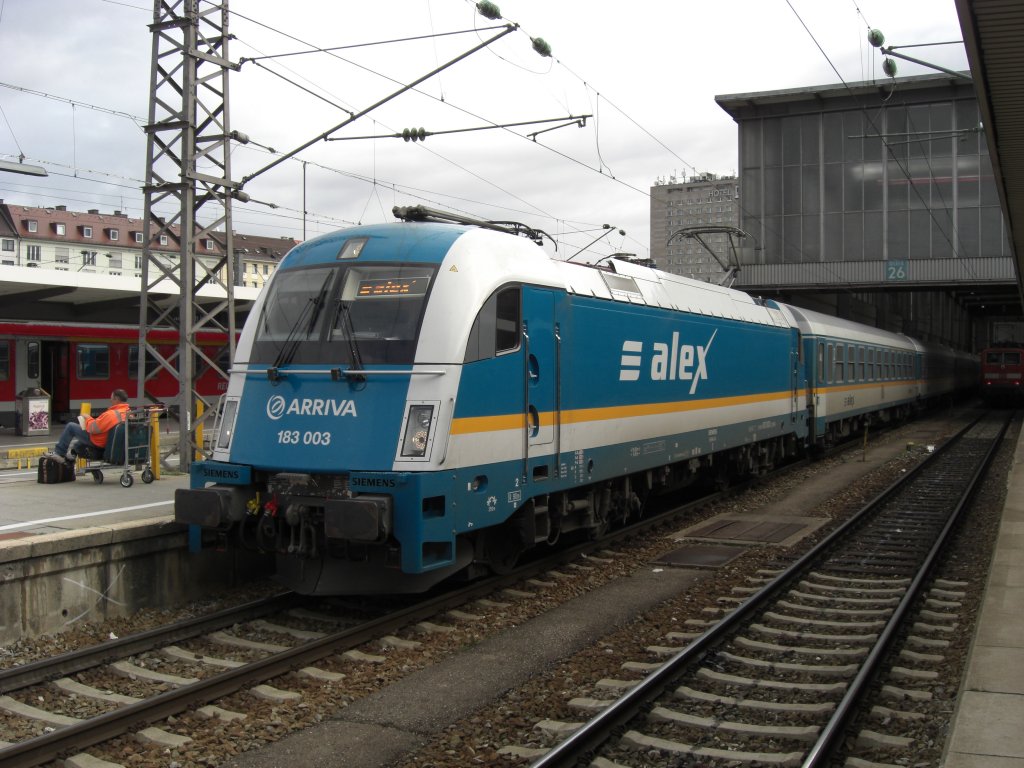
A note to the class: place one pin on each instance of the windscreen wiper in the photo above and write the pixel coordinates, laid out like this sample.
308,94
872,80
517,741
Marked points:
350,334
311,310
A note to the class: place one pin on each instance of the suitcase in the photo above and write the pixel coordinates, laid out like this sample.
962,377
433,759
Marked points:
53,470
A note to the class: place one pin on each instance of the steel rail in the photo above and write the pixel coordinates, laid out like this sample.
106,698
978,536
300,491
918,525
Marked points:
42,749
103,653
79,736
832,732
580,746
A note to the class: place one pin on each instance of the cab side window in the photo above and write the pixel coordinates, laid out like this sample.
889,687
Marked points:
497,326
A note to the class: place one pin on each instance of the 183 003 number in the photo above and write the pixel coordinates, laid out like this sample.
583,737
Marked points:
295,437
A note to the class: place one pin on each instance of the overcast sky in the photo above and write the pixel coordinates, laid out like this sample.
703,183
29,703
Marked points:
647,71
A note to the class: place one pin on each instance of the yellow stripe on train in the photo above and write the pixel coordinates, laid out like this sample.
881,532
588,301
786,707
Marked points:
475,424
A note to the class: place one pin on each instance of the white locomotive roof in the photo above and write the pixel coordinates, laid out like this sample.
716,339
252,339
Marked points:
512,259
661,289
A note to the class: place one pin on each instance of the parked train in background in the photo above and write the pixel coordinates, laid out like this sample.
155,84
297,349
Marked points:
79,362
1002,373
417,400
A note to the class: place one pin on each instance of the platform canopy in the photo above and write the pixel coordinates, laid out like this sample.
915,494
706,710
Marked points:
993,33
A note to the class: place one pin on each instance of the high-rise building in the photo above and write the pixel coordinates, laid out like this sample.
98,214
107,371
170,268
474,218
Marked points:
706,200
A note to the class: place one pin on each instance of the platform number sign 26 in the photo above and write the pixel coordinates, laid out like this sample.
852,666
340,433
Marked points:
896,269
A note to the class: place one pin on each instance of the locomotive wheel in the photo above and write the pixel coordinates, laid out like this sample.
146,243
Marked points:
147,476
503,550
503,562
97,477
127,480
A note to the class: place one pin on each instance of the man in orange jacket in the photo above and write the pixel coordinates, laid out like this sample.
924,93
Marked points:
89,431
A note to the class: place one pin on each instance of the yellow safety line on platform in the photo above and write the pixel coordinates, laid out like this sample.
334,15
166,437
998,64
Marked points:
26,455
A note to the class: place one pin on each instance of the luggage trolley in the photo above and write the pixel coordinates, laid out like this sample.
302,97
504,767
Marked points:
128,448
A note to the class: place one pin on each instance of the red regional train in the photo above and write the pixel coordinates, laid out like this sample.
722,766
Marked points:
1002,373
77,362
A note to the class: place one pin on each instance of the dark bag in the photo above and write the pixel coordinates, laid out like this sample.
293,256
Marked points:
53,470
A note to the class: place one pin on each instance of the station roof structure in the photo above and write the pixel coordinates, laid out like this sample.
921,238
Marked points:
993,33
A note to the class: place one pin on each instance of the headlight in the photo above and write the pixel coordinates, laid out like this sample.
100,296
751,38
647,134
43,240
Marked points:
417,430
227,424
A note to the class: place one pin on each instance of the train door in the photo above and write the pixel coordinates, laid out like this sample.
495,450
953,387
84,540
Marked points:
539,379
26,365
796,367
55,375
815,386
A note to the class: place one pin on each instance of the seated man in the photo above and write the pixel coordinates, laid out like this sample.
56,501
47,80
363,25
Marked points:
87,431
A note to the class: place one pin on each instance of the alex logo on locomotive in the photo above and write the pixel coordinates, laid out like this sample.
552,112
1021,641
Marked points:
669,361
277,407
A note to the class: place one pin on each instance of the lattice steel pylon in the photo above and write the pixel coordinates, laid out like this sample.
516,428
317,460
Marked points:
188,128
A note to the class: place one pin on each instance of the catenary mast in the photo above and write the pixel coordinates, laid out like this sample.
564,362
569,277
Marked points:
188,129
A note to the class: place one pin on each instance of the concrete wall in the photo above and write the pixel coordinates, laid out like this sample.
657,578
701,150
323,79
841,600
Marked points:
52,581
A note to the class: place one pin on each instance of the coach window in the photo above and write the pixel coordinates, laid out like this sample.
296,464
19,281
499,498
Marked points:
5,360
32,359
821,362
838,375
496,329
851,363
133,361
831,362
860,363
93,361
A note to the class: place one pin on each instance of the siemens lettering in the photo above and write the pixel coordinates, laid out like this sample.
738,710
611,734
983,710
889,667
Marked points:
373,482
670,361
277,407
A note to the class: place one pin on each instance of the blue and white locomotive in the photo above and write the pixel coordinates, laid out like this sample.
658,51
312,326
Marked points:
419,399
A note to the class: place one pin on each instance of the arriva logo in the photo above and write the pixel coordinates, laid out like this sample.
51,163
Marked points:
277,407
669,362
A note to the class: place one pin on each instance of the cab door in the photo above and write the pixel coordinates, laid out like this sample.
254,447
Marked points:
540,380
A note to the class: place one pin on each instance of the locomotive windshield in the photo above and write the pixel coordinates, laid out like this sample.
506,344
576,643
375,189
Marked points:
360,314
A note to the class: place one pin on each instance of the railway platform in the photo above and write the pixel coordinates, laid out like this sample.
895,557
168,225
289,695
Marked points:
32,509
21,452
986,731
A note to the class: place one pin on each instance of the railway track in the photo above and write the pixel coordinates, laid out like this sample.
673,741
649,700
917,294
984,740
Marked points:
852,631
213,671
239,648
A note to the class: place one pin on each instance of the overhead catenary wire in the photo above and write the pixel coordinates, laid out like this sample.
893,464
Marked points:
601,169
598,170
334,48
141,121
